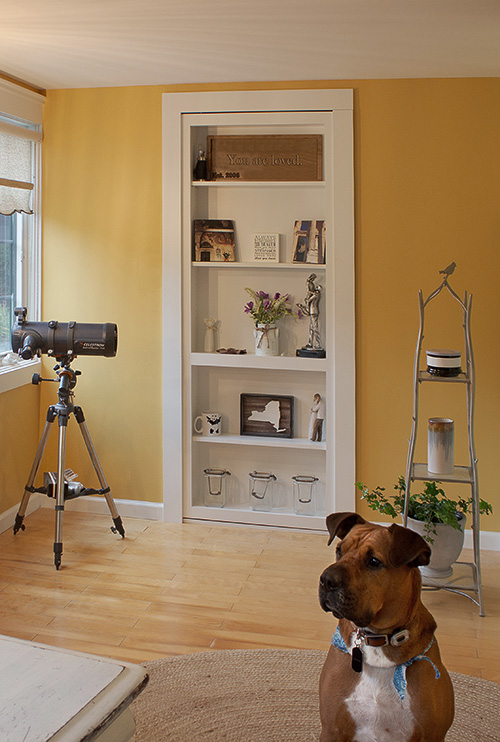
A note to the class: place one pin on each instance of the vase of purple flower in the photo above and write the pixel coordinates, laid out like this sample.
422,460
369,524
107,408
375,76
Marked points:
265,310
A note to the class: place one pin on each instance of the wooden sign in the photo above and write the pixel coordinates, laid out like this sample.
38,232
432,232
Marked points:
266,415
272,157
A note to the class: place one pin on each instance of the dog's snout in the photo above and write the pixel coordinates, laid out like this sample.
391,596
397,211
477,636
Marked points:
329,579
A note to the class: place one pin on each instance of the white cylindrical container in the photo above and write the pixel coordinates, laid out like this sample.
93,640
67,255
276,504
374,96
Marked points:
261,490
440,444
266,340
444,362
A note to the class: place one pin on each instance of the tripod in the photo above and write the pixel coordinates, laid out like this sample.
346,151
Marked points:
58,484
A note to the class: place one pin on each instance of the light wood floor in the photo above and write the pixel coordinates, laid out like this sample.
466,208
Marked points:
171,589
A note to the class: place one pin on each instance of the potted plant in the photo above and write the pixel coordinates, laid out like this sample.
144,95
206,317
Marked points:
266,311
439,519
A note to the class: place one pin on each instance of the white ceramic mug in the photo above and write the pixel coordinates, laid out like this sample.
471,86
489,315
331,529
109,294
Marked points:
208,423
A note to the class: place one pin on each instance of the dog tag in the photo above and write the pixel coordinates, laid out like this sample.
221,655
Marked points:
357,659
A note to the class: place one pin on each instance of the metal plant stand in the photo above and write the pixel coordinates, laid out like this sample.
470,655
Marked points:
461,474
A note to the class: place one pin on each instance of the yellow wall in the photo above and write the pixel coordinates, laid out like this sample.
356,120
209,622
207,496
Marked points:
427,192
102,263
18,442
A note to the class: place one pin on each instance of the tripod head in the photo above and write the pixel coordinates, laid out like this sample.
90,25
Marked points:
66,376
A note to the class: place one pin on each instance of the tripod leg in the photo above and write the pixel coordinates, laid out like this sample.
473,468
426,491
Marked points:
80,418
59,508
28,490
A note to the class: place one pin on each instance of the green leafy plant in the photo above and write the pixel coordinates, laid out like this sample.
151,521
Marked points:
266,310
431,506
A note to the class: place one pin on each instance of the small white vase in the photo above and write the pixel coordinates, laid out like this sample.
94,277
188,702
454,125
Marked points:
440,435
266,340
211,327
447,546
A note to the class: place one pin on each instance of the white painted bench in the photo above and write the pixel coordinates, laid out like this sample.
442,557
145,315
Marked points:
54,694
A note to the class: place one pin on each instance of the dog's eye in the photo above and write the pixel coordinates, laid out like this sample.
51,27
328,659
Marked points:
374,562
338,552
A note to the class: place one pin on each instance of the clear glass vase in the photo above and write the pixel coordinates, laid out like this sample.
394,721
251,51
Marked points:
304,494
261,490
214,494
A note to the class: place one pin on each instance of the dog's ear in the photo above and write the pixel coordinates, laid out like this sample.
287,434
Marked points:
339,524
408,548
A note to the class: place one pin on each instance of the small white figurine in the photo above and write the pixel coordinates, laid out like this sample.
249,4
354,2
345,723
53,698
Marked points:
317,417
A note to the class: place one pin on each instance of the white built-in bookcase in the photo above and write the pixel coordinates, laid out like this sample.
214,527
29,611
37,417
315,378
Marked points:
195,381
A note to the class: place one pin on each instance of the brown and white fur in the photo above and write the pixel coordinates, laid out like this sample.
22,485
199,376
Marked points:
375,586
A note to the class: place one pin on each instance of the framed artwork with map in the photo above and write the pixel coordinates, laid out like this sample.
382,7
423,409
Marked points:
266,415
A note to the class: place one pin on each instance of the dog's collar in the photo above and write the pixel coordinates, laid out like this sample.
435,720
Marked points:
370,639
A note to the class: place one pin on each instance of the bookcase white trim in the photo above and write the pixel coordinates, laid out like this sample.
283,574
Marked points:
332,110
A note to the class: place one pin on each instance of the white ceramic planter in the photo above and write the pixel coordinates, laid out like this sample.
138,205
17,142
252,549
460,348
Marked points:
447,546
266,340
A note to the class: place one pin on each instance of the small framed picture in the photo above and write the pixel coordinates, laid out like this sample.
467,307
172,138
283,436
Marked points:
214,241
266,248
266,415
309,241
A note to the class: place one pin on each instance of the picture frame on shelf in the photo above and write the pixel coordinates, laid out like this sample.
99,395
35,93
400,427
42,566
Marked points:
214,241
269,415
309,241
266,248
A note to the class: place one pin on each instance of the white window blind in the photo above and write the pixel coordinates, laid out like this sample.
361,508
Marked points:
16,168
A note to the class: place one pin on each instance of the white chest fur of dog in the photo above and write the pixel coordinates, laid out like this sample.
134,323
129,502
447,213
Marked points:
380,714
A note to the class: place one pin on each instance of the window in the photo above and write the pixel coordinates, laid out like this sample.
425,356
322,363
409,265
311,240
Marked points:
9,272
20,159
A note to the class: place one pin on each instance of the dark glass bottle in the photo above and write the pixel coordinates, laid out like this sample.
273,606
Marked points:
200,171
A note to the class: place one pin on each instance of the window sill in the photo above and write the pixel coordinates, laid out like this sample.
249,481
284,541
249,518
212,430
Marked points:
12,377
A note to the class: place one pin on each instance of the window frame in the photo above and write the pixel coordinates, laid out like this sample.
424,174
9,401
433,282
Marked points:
26,106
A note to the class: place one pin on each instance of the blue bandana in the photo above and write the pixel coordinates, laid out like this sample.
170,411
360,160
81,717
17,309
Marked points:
399,680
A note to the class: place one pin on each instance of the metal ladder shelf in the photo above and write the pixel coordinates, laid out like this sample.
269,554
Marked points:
461,474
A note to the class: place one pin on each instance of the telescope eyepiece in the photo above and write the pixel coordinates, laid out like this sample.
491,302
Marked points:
31,344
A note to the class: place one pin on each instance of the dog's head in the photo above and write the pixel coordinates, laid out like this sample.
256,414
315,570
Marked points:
375,574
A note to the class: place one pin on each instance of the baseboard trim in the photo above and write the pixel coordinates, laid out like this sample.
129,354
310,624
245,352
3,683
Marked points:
7,518
489,540
98,505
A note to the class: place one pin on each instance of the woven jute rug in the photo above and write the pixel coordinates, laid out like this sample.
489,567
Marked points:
270,695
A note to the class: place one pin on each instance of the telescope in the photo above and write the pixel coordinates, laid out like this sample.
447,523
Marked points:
62,339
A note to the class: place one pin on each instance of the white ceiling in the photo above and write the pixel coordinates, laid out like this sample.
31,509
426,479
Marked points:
89,43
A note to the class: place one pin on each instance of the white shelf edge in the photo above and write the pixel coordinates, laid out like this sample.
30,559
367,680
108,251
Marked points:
258,264
250,360
258,183
244,515
257,440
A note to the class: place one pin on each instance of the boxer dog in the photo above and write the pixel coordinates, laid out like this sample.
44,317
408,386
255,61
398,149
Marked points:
383,679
